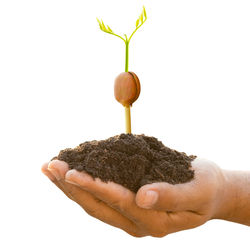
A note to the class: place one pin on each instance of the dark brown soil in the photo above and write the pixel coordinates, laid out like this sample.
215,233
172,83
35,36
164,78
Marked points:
130,160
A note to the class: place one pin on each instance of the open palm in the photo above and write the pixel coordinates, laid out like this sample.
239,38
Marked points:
156,209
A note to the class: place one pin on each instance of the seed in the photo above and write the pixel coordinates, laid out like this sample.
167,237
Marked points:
127,88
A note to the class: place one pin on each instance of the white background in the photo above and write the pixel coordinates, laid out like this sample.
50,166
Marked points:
56,90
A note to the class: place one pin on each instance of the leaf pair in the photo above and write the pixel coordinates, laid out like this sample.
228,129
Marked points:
103,27
142,18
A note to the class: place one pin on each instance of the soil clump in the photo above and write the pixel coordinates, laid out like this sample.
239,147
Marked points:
130,160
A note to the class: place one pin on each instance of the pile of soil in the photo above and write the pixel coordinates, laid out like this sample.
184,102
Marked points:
130,160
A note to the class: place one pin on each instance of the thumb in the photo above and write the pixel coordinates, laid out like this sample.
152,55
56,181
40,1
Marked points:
167,197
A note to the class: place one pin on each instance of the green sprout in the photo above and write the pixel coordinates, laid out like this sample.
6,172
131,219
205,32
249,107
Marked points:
139,22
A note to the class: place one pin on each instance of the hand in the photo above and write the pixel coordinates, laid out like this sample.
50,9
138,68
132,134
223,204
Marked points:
157,209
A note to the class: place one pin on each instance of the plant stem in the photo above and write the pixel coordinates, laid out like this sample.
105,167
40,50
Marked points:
111,33
126,55
127,108
128,119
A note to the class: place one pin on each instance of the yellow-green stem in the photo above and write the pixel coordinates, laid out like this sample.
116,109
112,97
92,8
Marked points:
127,108
128,119
126,55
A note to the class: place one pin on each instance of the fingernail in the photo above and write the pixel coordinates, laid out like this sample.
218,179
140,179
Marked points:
150,199
55,173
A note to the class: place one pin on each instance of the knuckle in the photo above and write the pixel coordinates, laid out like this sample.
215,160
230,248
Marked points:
91,212
136,235
122,202
158,230
119,205
71,192
158,234
97,200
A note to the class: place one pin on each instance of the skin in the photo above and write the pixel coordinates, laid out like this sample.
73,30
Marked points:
159,209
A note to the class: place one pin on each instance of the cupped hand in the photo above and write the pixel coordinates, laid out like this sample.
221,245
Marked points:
156,209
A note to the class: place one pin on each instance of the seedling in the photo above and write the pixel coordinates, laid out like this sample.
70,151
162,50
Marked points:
127,85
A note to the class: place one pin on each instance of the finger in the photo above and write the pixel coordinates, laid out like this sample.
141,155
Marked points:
88,202
186,196
58,168
183,220
121,199
115,195
100,210
45,171
50,175
167,197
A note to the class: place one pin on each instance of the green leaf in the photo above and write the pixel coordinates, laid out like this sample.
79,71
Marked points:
137,22
109,29
98,20
141,17
144,12
99,23
103,26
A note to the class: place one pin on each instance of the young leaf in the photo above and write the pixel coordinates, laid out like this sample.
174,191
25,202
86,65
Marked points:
137,22
144,12
98,20
141,17
99,23
109,29
103,26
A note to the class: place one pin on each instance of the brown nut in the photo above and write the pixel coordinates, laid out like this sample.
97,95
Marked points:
127,88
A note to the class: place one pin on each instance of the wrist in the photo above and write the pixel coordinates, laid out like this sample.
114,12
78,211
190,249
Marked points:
226,199
233,201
